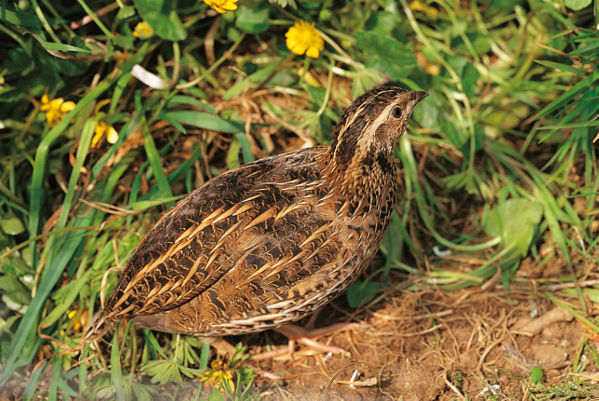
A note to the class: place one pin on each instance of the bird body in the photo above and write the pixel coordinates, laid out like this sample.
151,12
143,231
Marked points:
271,241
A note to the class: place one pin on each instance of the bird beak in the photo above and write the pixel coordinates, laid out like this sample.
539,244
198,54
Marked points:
417,96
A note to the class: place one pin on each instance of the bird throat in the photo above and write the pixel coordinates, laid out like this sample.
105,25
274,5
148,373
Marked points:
365,178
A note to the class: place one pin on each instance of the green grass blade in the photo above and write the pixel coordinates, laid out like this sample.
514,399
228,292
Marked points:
154,159
116,376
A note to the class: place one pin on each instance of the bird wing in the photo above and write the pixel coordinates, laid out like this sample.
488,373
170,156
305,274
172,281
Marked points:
201,239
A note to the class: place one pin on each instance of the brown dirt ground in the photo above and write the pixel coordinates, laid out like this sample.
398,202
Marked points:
438,345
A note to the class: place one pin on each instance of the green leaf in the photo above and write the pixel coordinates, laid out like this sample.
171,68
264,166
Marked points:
253,19
163,371
125,12
116,378
514,221
12,225
124,41
233,153
246,148
237,88
163,19
361,292
382,23
11,287
146,204
192,101
28,20
562,67
577,5
386,54
536,375
156,164
316,94
203,120
64,48
365,79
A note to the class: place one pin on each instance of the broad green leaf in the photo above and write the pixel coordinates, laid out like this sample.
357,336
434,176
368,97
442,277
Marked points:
514,221
252,19
315,93
161,16
15,290
124,41
577,5
28,20
382,23
361,292
12,225
125,12
536,375
365,79
386,54
162,371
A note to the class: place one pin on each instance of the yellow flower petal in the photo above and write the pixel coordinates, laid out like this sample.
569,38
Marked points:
111,135
67,106
312,52
143,30
55,109
303,38
99,130
222,6
431,12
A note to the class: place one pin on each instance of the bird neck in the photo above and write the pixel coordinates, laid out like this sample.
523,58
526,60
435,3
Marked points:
364,177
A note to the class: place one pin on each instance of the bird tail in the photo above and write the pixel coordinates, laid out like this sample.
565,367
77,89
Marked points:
100,325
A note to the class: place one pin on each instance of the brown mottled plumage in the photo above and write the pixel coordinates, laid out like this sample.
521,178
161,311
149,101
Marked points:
271,241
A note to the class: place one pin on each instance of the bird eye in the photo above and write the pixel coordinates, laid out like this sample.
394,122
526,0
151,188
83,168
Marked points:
396,113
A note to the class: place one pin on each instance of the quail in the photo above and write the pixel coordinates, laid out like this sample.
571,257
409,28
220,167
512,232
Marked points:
268,243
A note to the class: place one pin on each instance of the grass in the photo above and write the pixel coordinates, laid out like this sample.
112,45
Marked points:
500,163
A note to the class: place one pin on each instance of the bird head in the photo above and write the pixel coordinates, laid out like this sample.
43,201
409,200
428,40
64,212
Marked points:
370,128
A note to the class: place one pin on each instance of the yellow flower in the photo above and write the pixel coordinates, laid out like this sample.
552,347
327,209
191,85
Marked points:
302,38
432,69
81,321
143,30
101,129
55,109
218,375
431,12
222,6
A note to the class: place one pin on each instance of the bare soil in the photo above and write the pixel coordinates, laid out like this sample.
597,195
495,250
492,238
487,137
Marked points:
438,345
